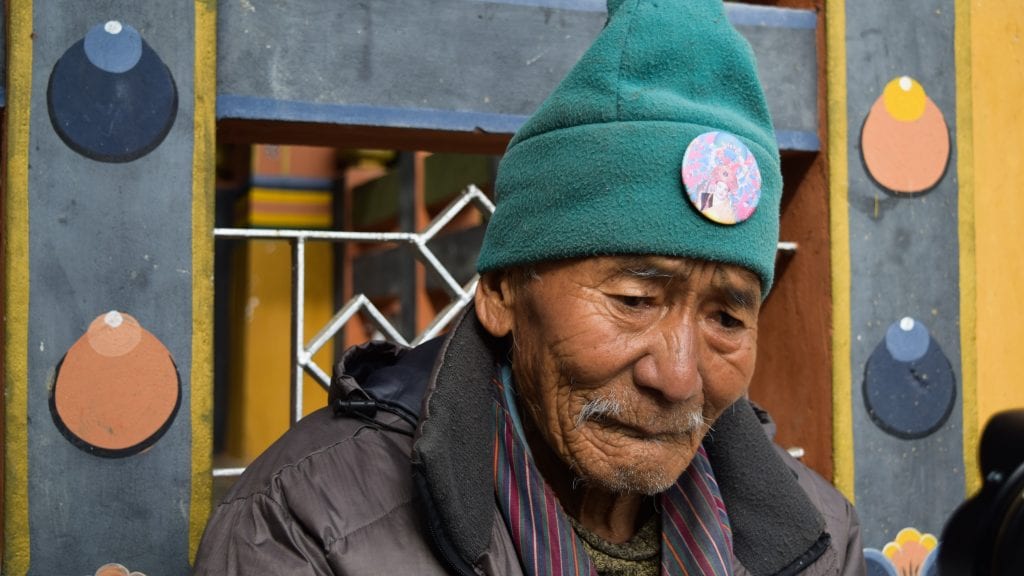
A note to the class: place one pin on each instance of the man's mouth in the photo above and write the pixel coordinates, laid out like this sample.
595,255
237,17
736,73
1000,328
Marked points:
609,414
639,432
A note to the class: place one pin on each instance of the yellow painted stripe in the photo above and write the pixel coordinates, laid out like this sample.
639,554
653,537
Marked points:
318,197
968,277
298,221
16,289
282,208
203,186
842,397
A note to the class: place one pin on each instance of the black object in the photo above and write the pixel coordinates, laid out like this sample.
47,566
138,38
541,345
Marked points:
985,536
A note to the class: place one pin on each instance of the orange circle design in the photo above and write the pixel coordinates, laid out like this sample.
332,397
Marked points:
905,157
117,388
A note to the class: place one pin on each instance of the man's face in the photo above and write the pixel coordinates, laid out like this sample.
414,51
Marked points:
623,363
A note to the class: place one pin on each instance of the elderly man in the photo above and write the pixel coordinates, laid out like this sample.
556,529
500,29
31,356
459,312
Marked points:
587,415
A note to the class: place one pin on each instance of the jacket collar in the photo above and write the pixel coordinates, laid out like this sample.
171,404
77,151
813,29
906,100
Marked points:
776,528
452,451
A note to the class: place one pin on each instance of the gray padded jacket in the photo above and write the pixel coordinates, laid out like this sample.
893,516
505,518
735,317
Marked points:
394,477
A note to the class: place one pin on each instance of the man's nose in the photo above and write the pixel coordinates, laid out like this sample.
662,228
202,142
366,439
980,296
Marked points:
671,363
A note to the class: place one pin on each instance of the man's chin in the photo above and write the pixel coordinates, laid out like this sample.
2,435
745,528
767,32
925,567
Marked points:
642,466
641,479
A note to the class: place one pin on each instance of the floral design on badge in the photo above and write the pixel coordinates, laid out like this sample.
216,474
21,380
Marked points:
722,179
115,569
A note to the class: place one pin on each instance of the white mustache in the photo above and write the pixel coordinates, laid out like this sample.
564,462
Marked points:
596,409
600,408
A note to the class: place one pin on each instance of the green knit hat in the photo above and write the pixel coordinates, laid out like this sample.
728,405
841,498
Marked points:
597,169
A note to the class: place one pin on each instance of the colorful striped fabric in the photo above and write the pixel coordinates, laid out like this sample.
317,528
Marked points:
696,537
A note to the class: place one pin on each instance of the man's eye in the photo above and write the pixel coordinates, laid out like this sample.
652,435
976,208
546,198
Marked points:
631,301
729,321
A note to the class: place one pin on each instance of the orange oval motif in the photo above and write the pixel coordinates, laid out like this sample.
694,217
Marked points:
117,388
905,153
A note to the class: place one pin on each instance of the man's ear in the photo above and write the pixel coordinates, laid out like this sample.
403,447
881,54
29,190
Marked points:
494,299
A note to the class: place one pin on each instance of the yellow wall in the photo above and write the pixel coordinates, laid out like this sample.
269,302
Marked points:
258,409
997,85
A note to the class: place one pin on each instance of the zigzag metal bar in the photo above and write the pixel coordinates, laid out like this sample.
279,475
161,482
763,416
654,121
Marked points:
470,194
342,317
302,355
427,257
378,320
317,373
449,313
482,201
336,323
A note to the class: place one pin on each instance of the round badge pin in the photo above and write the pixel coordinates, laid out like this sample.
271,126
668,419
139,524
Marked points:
721,176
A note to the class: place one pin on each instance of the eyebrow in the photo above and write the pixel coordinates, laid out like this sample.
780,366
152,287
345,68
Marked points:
742,297
738,295
646,270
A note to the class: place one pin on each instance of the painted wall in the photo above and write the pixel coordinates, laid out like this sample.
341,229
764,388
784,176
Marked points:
940,253
997,81
904,296
109,175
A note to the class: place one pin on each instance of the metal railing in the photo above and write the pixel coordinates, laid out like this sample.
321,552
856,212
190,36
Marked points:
302,352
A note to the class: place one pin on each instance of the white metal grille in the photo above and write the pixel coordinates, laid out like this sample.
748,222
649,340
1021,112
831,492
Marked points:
302,352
